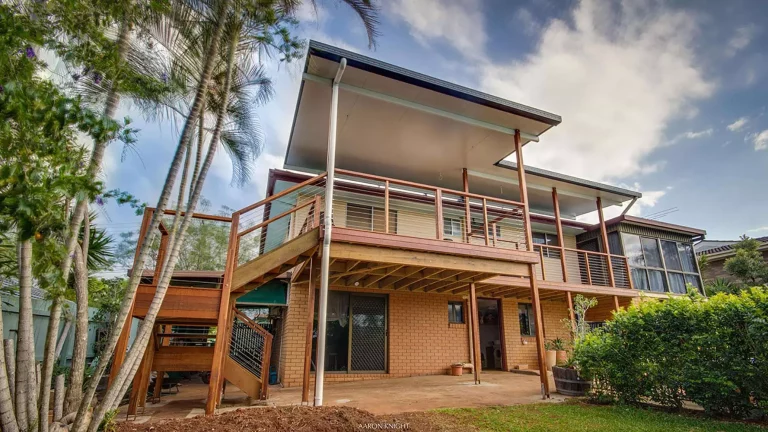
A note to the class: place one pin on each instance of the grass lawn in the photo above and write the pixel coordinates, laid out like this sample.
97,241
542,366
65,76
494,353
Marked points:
580,417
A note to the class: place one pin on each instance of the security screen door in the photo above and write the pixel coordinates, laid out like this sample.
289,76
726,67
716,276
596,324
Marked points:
368,350
356,333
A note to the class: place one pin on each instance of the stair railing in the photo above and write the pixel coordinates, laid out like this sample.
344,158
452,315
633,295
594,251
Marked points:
250,346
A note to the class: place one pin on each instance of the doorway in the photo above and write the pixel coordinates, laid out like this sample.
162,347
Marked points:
491,340
356,333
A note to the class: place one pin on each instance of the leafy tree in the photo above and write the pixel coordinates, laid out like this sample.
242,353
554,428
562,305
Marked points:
748,265
43,166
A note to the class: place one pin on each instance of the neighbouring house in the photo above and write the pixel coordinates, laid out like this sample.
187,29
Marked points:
405,208
717,251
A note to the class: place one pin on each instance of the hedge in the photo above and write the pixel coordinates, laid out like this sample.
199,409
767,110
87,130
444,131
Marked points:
713,352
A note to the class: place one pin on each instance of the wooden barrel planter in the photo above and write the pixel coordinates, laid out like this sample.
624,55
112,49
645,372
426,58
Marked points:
568,382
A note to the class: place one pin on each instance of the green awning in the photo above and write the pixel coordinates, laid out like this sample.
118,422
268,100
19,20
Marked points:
274,292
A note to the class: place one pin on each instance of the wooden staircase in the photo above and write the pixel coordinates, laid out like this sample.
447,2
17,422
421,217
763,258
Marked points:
272,264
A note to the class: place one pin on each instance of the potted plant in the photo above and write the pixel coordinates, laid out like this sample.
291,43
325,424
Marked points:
551,354
457,369
559,346
567,379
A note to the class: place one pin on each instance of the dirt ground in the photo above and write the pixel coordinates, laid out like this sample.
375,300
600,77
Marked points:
298,419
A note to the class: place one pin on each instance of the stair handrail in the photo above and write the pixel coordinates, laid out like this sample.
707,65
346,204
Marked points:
281,194
251,323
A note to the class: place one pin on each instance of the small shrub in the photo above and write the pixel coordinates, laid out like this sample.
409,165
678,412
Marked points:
712,352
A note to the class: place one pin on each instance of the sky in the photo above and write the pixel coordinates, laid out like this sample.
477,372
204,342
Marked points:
664,97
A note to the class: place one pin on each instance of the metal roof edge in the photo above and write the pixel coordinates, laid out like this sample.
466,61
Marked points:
570,179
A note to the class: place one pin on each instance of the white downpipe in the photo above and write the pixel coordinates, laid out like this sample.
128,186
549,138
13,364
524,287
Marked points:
327,226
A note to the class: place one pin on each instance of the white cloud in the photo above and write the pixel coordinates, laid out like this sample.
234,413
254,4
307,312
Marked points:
738,124
741,39
457,22
617,77
760,140
649,200
759,229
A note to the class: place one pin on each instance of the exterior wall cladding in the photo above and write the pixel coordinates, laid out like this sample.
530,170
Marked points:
421,341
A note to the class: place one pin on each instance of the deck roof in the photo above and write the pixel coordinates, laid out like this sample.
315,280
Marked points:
397,123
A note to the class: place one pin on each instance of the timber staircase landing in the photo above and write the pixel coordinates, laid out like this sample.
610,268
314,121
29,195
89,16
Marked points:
190,348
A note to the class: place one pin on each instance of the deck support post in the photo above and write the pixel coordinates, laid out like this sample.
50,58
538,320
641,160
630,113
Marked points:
616,305
223,321
604,235
467,213
560,239
310,325
535,301
122,343
477,367
327,227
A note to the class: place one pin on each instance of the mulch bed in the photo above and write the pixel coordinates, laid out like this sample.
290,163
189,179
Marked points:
297,418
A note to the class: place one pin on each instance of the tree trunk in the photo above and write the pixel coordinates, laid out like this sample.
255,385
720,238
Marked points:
149,319
49,358
205,78
7,416
75,389
58,397
10,365
199,152
26,403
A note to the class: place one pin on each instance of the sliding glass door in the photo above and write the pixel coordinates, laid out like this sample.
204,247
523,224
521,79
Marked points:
356,333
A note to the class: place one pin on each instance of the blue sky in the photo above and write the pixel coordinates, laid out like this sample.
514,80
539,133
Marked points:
668,98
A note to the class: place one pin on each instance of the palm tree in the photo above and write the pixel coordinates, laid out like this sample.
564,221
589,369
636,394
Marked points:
227,20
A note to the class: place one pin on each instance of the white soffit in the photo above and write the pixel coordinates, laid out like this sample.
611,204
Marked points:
392,140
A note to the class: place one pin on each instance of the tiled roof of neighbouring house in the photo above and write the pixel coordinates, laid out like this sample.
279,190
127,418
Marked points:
709,247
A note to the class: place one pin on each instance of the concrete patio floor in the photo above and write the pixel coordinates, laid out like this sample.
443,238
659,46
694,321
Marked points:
395,395
384,396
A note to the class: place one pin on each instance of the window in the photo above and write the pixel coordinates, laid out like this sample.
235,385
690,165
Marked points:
452,227
614,243
671,257
369,218
477,228
548,240
527,323
456,312
661,265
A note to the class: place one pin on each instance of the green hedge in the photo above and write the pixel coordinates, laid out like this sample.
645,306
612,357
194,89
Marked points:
713,352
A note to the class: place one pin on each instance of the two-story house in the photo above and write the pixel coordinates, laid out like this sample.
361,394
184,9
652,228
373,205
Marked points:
410,235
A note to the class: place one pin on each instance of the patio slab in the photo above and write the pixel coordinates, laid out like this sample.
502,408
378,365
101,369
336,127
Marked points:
395,395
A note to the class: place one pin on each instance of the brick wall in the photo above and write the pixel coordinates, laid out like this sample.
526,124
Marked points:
421,341
521,350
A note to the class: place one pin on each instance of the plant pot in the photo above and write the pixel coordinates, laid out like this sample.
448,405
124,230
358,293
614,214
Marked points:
551,359
562,357
457,370
568,382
